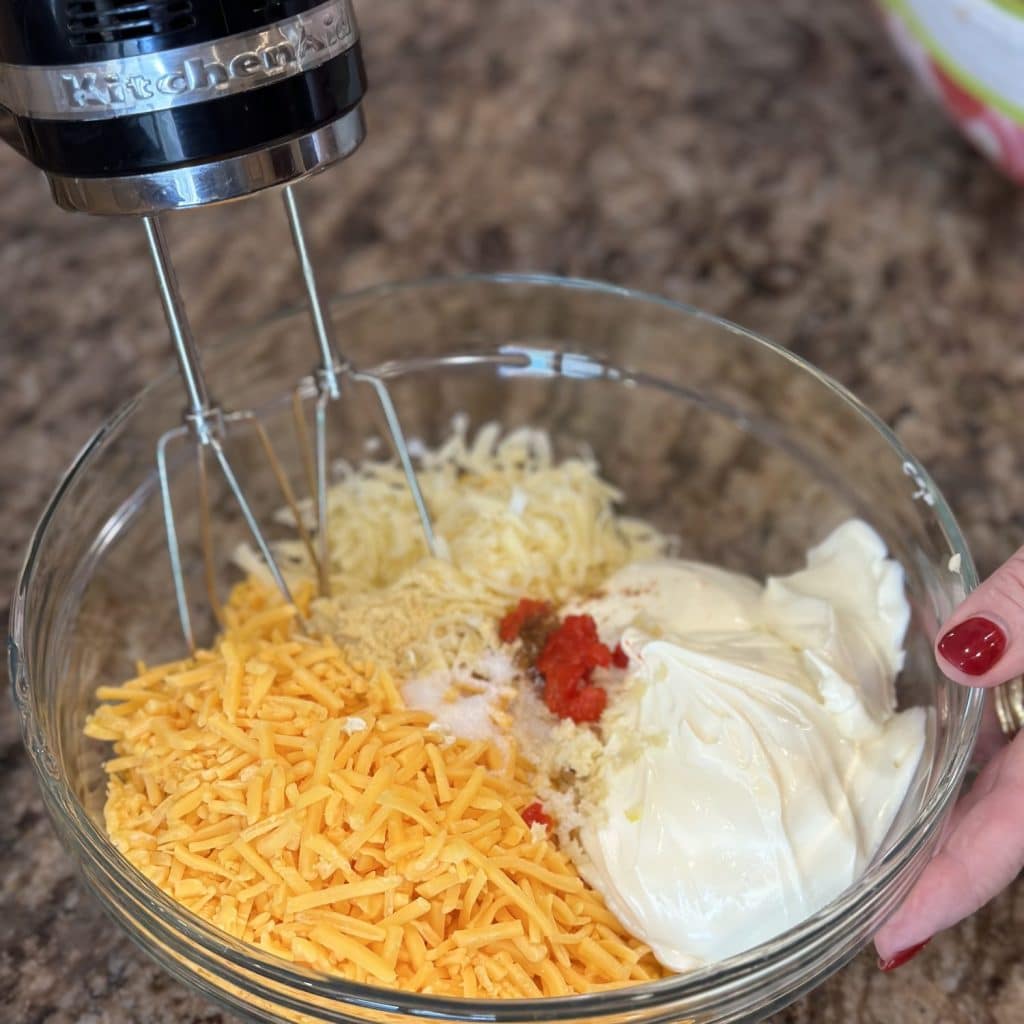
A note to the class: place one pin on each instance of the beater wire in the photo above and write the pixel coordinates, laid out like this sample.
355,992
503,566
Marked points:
334,366
208,426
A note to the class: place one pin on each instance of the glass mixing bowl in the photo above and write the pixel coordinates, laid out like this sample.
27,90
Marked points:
745,452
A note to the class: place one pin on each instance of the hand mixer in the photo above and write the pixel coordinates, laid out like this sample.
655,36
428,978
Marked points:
140,108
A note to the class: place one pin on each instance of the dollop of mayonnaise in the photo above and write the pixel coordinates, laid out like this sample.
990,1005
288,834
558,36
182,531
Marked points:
753,759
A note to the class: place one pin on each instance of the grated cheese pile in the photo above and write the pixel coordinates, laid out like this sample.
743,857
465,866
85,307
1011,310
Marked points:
281,791
513,521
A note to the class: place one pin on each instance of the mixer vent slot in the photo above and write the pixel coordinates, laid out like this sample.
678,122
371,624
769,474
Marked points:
269,11
114,21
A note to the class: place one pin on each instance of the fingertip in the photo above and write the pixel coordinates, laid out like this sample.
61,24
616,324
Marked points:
975,649
900,957
897,935
982,643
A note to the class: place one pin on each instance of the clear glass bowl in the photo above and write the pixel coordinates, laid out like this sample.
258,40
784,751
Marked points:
741,449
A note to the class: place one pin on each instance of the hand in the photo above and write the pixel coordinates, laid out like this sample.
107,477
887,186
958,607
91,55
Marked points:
982,852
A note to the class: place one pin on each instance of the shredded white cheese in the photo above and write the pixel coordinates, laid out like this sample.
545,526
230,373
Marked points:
513,521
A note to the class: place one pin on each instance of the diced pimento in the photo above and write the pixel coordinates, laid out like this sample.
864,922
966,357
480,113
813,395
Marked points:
575,647
571,654
587,704
535,815
511,625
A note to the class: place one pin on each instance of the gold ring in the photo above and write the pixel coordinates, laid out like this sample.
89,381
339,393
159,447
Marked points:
1009,698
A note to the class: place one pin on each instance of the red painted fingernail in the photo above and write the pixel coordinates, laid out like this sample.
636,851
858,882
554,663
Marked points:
899,959
974,645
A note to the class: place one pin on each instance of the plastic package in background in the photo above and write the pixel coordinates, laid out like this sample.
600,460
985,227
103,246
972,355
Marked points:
969,55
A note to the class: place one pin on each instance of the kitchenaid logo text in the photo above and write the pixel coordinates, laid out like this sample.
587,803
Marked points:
158,81
93,89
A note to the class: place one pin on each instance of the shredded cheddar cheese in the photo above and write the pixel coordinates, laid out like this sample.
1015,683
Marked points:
281,791
512,520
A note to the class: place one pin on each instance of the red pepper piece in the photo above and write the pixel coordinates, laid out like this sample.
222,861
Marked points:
570,655
535,815
587,705
575,643
620,659
513,622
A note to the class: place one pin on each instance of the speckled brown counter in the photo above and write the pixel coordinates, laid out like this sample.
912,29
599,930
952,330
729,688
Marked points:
768,162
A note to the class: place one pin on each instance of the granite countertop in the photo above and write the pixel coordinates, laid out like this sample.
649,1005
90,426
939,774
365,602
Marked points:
768,162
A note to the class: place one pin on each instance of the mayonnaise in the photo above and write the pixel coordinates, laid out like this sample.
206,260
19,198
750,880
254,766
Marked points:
752,759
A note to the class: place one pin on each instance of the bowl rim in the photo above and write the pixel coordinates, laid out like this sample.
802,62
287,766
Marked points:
92,848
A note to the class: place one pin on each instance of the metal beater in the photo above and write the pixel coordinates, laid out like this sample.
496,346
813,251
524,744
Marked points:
140,108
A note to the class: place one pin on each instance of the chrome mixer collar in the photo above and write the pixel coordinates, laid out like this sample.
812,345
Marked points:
140,108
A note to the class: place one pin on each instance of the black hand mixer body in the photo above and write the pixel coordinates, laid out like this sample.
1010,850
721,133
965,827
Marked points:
136,107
